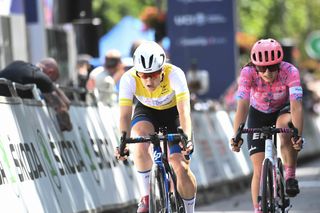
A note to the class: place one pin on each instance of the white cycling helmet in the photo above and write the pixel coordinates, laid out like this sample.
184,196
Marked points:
149,57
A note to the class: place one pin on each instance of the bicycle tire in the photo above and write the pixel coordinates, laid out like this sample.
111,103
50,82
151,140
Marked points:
158,195
176,202
280,186
267,198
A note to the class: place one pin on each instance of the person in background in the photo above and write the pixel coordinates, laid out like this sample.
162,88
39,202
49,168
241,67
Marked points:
83,68
135,44
270,93
43,75
106,78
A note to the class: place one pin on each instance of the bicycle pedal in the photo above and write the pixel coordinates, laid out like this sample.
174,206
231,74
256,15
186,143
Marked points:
287,208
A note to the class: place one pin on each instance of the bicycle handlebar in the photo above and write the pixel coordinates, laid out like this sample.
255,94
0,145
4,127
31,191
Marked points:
268,130
155,138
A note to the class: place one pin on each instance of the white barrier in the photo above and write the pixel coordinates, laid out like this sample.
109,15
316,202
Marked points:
45,170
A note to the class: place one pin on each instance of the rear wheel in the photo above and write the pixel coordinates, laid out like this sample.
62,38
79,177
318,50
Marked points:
158,196
267,198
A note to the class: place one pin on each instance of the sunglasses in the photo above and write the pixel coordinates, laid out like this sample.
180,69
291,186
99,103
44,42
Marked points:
271,68
149,75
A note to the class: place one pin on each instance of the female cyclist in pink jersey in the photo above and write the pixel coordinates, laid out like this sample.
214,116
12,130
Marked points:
269,93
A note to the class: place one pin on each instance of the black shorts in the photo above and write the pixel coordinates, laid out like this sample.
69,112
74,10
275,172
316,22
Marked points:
159,118
168,118
257,119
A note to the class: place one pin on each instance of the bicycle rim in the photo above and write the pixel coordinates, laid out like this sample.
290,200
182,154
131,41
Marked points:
280,186
267,199
177,205
158,196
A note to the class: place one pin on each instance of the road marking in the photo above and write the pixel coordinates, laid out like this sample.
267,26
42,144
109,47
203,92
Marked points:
223,211
308,171
309,184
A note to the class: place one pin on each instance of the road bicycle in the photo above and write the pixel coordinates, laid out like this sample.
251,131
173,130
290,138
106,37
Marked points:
272,197
164,196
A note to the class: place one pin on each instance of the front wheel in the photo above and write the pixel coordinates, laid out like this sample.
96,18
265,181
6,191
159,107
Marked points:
280,187
267,198
158,195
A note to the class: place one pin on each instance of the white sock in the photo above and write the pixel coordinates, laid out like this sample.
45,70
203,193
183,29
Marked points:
143,179
189,204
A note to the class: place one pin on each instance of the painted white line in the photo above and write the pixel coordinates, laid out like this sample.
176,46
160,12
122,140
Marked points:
309,184
223,211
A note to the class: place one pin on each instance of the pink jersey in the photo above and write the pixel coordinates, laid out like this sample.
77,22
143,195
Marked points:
270,97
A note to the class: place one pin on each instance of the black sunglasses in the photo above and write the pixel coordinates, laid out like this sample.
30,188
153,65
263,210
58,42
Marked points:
271,68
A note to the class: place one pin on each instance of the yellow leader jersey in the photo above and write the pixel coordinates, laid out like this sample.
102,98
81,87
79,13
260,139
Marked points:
172,89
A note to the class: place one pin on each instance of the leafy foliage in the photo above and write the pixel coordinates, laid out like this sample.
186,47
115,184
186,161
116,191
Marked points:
279,19
111,11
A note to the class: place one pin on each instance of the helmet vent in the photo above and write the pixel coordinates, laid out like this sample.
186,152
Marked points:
163,57
266,55
279,54
143,61
272,55
254,57
260,56
150,61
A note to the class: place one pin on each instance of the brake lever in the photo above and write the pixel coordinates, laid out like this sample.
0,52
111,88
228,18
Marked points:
184,140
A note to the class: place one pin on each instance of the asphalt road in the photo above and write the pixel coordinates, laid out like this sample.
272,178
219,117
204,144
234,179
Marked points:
308,201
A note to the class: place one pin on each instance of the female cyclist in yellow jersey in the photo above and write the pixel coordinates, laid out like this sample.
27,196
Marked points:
163,99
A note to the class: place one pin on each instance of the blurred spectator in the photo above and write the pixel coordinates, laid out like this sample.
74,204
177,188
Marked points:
228,99
83,68
127,63
43,75
134,46
198,80
106,78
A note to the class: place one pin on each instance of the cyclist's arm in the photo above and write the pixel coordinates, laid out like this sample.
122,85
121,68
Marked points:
241,113
297,115
183,107
125,119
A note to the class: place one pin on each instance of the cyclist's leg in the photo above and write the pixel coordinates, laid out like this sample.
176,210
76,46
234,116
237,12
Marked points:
186,181
256,160
142,125
143,162
289,156
257,119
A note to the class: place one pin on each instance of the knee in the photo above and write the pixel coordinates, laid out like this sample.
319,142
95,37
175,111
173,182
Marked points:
141,150
180,167
285,140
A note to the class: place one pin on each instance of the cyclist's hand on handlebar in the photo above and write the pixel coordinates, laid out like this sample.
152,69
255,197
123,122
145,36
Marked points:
122,152
297,143
236,145
188,150
118,156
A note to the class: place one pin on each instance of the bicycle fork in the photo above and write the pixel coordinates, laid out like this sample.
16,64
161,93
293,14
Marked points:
157,156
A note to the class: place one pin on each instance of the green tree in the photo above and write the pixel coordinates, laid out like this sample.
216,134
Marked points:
110,11
279,19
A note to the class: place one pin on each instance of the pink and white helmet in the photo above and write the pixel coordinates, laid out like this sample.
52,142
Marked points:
266,52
